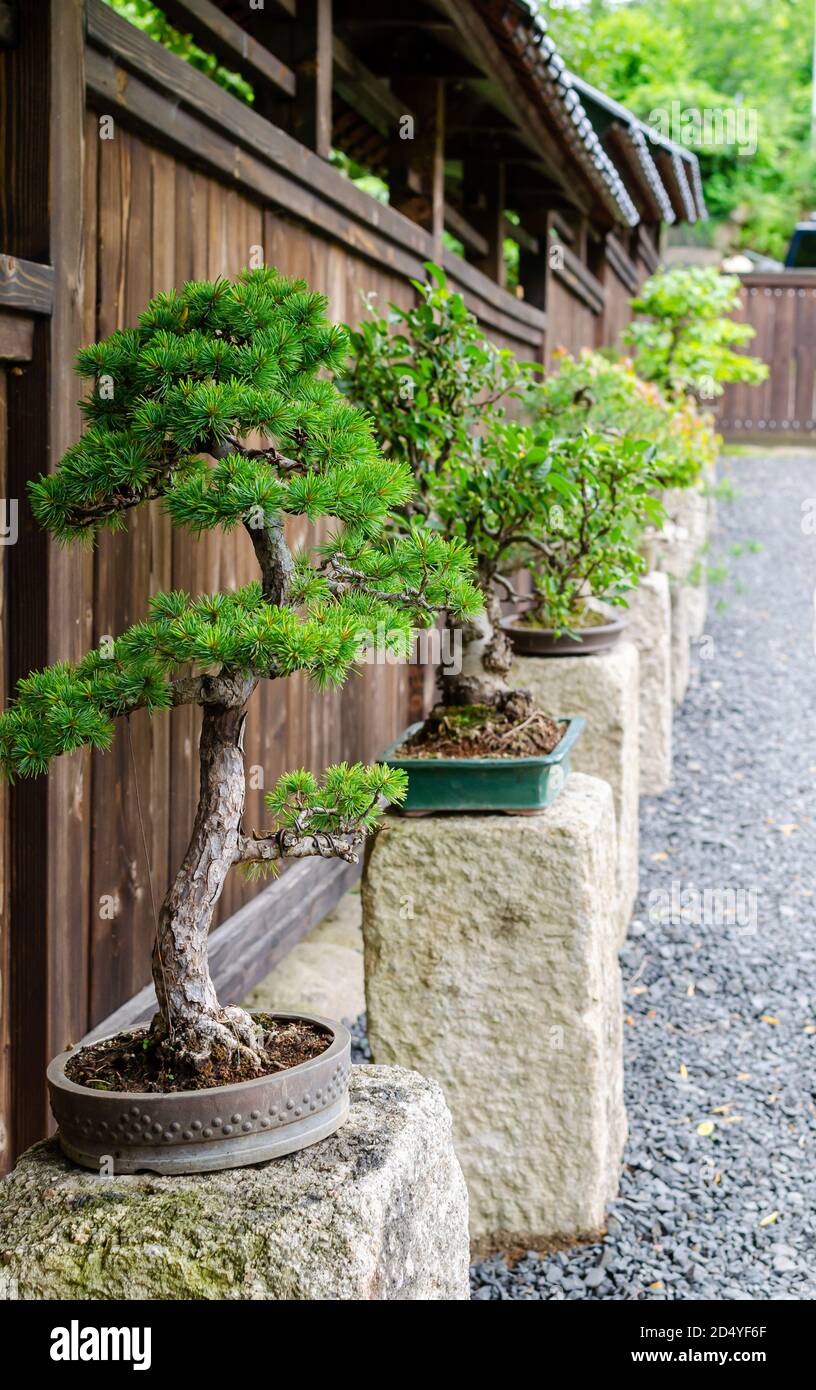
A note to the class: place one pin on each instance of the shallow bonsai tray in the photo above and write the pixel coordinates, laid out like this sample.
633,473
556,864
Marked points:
517,785
542,641
210,1129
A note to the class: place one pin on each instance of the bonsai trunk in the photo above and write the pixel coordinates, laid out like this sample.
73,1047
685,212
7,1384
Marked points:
190,1017
487,657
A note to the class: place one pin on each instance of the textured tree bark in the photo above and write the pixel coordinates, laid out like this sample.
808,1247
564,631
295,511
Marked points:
189,1013
486,659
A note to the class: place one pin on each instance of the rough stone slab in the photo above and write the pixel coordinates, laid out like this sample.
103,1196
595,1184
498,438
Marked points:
680,639
378,1211
650,630
697,605
491,965
683,542
604,689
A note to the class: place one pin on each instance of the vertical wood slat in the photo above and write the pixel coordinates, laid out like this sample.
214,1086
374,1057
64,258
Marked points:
6,1128
41,158
781,308
70,571
126,572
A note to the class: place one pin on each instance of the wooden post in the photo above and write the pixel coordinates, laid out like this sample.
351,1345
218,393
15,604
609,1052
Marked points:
533,275
305,45
484,195
70,571
43,93
416,175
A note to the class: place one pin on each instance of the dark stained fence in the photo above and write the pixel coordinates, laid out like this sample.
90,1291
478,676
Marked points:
131,172
781,307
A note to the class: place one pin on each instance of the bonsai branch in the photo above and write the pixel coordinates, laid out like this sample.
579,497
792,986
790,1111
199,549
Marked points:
290,844
343,578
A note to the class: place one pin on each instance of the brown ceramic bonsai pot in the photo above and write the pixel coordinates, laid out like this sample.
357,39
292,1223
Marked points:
206,1130
542,641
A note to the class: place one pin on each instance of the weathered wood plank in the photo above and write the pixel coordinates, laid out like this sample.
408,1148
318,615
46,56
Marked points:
16,338
416,173
26,285
365,93
622,265
173,127
25,227
231,44
69,571
6,1122
305,44
484,192
456,222
580,281
185,87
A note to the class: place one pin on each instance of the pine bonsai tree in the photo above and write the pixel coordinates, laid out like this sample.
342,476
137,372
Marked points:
440,392
204,369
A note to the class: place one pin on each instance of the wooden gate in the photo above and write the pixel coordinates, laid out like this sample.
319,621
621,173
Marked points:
781,307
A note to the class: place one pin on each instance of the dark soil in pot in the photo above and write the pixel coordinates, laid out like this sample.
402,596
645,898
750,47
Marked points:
529,639
480,731
209,1127
134,1061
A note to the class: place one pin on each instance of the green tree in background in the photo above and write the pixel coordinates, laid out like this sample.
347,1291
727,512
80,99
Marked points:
651,53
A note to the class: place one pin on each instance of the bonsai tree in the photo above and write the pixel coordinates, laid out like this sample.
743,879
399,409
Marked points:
598,392
593,549
439,393
685,337
172,404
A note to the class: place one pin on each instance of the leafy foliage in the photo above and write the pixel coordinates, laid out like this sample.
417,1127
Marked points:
204,368
607,488
684,339
596,392
439,392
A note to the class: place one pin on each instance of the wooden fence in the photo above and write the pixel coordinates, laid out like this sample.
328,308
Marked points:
781,307
128,171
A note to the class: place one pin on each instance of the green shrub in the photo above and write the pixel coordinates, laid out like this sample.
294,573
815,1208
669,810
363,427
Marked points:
685,337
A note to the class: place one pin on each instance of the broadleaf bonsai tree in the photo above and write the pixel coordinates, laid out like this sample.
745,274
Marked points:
598,392
685,338
441,393
173,404
592,554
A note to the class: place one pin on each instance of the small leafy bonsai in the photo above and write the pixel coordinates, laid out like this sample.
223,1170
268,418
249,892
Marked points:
439,392
685,337
172,404
603,393
593,551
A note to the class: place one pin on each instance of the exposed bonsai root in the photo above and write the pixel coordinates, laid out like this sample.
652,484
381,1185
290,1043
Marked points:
226,1042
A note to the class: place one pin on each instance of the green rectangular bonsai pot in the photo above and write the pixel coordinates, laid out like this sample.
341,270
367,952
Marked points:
485,784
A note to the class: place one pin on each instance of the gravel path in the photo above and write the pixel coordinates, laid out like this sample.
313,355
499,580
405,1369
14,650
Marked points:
718,1197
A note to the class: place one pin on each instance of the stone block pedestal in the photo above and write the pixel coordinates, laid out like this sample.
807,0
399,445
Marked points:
650,630
377,1211
491,966
604,689
681,553
680,641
